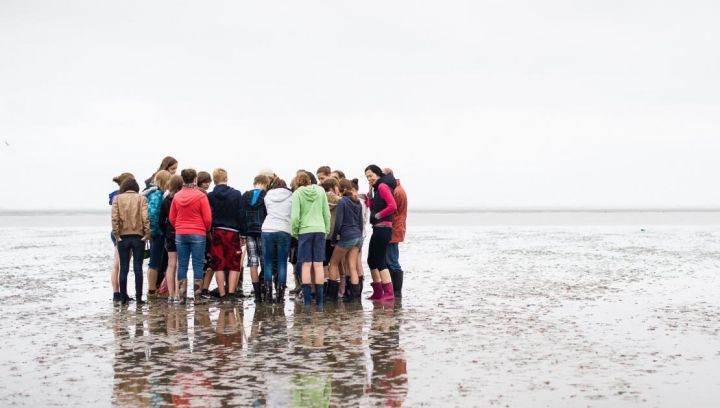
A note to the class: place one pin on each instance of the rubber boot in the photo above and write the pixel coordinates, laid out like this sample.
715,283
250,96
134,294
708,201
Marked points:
281,293
268,292
319,295
307,295
333,288
377,291
258,292
397,281
388,292
197,292
182,293
262,287
356,291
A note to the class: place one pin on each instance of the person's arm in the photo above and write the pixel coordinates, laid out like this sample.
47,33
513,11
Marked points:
339,216
295,216
386,194
243,217
115,219
326,214
206,213
173,214
145,219
162,221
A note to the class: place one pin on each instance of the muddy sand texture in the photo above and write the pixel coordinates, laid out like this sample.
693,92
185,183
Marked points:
494,316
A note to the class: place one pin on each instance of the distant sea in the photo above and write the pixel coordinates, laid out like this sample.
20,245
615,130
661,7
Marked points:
439,217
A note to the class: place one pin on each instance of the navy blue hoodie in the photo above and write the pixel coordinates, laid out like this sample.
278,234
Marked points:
348,219
226,206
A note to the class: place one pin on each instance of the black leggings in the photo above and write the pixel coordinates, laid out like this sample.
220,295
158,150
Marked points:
131,244
378,247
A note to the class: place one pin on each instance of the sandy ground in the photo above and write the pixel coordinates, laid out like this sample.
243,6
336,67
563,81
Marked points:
492,316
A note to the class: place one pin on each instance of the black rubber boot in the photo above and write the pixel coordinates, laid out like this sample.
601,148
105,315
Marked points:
397,281
281,293
356,292
319,296
268,292
258,292
332,290
307,296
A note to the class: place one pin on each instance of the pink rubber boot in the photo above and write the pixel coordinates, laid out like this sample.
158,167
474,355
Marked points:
377,291
388,292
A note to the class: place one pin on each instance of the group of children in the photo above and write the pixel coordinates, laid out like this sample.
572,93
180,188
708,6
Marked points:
317,223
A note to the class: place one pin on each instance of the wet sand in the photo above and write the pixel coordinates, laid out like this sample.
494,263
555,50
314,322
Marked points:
492,316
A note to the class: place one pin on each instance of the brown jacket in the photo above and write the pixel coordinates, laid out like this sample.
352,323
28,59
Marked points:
130,215
333,199
398,221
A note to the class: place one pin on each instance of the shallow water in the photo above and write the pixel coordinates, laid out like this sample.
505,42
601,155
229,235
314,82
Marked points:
492,316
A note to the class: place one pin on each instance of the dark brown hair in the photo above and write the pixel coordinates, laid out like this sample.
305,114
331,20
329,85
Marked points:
324,170
129,184
119,179
175,184
347,187
203,177
188,175
165,164
313,179
278,183
329,183
340,173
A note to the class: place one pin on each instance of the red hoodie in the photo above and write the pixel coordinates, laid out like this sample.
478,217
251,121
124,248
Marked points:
190,212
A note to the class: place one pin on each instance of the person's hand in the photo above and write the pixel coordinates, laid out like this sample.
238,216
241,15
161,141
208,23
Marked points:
377,216
146,238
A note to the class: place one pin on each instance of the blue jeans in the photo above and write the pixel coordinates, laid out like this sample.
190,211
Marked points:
190,245
276,246
393,257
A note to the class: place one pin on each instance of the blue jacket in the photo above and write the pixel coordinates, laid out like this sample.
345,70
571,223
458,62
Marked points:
154,198
348,220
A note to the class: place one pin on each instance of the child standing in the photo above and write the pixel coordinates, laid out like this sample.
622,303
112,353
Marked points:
253,215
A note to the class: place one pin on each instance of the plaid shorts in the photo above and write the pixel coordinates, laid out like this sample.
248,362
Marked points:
254,251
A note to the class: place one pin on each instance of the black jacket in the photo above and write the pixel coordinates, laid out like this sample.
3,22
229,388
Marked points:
225,204
378,204
253,213
163,221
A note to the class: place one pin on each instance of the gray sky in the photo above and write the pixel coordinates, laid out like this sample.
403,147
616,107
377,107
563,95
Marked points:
472,103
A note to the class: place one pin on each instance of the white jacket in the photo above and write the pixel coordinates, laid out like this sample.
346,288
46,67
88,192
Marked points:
278,203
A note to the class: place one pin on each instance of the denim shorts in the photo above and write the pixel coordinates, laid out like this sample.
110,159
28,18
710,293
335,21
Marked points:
311,247
350,243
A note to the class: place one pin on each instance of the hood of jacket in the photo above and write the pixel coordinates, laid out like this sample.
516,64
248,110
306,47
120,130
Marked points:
388,179
310,193
188,196
278,195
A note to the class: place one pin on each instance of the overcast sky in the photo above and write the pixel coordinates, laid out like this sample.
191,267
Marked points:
472,103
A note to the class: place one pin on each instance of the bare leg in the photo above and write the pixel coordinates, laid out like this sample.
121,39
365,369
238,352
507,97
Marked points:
233,284
359,266
334,267
115,274
152,279
306,274
207,278
319,272
375,275
220,280
353,259
384,276
171,273
254,274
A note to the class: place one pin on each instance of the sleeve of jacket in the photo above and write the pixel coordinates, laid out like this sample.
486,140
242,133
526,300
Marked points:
326,213
339,215
162,221
243,218
206,213
295,215
386,194
145,219
154,203
172,217
115,218
239,219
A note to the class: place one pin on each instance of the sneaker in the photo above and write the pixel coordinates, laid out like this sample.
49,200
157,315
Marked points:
171,300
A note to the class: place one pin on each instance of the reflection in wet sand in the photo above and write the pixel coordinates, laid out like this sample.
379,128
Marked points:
214,356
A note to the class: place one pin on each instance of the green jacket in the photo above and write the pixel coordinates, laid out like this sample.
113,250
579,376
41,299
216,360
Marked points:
310,211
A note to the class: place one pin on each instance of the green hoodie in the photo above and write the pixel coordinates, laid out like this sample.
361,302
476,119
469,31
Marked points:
310,211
